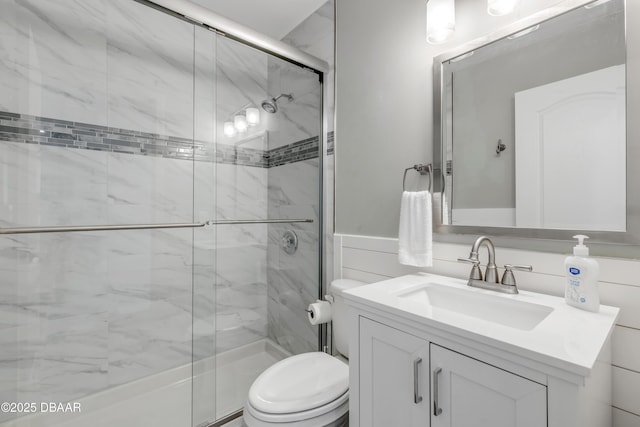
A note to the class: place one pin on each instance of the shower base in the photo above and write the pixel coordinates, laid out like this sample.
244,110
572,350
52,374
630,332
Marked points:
165,399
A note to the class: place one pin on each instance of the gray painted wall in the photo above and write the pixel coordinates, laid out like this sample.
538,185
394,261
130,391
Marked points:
384,101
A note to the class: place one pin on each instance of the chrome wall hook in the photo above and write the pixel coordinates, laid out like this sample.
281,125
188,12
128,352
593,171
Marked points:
501,147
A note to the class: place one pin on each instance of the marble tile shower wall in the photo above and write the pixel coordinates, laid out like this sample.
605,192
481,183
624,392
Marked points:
293,189
315,35
98,128
299,119
293,279
293,193
113,64
87,311
241,82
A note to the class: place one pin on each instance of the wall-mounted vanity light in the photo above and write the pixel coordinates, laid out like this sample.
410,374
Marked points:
501,7
441,20
240,121
229,130
253,116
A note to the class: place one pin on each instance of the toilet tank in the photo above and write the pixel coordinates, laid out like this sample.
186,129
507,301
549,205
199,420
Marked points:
339,312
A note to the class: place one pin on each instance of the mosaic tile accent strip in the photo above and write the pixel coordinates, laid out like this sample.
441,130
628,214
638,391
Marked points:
330,143
241,156
22,128
295,152
61,133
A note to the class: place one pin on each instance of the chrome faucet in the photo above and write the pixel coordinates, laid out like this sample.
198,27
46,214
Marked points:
490,279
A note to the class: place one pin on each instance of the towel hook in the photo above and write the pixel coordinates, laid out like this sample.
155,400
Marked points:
423,170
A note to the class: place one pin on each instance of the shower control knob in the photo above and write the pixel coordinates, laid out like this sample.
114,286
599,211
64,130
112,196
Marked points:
289,242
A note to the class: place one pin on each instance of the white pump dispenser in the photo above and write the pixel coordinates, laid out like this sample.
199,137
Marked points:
580,249
582,278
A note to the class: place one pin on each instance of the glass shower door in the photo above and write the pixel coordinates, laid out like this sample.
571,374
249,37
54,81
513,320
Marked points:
96,128
116,113
267,126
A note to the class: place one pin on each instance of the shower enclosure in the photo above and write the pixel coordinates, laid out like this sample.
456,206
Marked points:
144,197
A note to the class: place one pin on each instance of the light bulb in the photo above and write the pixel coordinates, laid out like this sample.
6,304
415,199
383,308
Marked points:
441,20
253,116
229,130
240,123
501,7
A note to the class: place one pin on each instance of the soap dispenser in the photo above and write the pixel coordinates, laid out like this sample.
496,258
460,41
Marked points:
582,278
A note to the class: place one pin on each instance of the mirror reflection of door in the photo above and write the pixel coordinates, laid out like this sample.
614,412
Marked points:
570,153
533,124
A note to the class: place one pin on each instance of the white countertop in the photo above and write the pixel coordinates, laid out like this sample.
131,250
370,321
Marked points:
567,338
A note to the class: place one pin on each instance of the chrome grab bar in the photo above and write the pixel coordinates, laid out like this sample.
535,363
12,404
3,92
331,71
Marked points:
70,229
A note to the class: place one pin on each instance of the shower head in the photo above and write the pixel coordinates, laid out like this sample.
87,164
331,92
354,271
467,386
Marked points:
271,105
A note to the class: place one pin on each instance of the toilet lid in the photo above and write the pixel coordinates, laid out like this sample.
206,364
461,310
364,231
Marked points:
300,383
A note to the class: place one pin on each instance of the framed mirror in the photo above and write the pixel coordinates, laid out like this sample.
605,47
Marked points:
531,129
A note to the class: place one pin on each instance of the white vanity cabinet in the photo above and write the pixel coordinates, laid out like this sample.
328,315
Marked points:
467,392
416,365
405,380
394,376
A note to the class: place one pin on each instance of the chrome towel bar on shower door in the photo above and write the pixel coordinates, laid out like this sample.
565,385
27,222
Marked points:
256,221
69,229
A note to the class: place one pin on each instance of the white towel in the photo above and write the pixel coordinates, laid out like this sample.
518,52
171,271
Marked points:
415,237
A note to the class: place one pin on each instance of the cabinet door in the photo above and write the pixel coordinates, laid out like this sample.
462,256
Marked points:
469,393
394,377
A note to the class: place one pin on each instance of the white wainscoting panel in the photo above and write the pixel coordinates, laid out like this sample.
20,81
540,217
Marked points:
626,348
625,419
626,389
372,259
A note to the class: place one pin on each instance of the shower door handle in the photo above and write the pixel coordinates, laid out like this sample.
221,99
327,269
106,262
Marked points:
121,227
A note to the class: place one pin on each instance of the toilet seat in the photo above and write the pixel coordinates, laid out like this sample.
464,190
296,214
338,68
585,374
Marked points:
300,383
306,389
320,416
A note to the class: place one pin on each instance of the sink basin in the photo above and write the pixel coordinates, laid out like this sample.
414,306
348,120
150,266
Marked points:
492,308
527,325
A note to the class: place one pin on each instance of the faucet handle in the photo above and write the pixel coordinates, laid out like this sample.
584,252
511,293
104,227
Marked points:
476,274
508,278
510,267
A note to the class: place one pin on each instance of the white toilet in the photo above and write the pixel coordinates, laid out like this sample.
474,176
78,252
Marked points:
309,389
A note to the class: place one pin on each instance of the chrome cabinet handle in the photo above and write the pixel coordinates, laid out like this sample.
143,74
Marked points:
417,398
437,410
